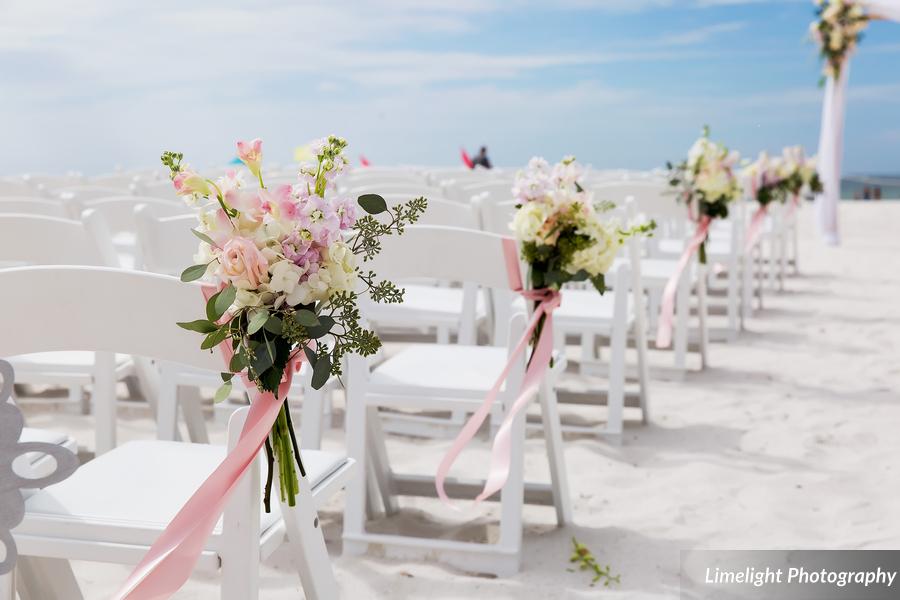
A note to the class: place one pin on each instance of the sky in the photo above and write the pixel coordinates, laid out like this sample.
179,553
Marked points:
97,84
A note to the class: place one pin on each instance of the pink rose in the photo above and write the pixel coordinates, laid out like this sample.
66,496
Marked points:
243,264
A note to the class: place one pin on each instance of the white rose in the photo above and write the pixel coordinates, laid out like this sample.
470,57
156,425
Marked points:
529,220
247,299
341,265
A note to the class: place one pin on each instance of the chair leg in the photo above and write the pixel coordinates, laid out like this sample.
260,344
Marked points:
746,288
615,402
682,308
513,495
702,310
795,243
643,371
559,478
104,399
380,462
39,578
240,542
733,301
357,450
8,586
782,258
307,540
192,410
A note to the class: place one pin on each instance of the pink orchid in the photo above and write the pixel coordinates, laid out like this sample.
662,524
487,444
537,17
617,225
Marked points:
250,154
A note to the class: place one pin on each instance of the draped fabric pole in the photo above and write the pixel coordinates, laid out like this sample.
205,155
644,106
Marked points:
831,147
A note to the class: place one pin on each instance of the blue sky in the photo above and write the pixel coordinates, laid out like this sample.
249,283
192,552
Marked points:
93,84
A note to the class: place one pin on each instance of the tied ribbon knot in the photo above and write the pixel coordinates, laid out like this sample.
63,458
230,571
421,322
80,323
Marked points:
501,448
667,306
171,559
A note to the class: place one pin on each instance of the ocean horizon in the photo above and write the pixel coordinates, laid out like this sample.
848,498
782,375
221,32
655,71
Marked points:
880,187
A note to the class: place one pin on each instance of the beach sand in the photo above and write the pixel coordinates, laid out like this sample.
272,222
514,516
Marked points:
788,440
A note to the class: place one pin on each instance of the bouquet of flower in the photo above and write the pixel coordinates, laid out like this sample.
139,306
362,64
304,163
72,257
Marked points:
837,30
285,261
778,178
706,181
559,227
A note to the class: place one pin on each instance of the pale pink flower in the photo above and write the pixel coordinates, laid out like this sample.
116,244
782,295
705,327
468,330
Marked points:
243,264
250,154
188,183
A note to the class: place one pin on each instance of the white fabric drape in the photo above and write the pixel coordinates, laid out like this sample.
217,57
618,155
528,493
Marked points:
831,134
831,146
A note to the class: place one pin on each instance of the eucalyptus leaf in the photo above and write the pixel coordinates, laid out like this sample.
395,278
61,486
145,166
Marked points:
238,362
215,338
372,203
226,377
258,318
263,358
223,392
321,372
324,326
310,355
200,326
274,325
204,237
225,299
307,318
193,273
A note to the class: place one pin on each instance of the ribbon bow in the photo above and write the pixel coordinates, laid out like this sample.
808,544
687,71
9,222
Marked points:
501,449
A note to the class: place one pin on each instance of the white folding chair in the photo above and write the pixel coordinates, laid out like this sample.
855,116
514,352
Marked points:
32,206
115,506
38,240
19,188
654,200
166,245
445,377
496,189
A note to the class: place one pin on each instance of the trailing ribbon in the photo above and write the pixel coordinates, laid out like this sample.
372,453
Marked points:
667,306
795,204
755,227
501,450
170,560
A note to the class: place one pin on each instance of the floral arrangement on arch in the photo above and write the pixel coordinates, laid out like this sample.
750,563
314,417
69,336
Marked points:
775,179
837,30
559,228
706,181
286,264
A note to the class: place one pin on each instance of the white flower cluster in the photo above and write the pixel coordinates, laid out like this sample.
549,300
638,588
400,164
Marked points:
710,171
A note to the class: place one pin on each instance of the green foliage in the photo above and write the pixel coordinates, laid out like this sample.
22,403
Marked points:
172,160
372,204
582,555
193,273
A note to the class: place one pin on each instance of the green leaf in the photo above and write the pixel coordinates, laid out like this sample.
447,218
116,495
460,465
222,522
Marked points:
310,355
226,377
321,372
324,326
372,203
258,318
238,362
225,300
193,273
274,325
223,392
200,326
211,308
599,283
307,318
215,338
205,238
263,358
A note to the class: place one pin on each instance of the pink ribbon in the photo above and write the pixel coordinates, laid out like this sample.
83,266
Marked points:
755,227
795,204
171,559
501,449
667,307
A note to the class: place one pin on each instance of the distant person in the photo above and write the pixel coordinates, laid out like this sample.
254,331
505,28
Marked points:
481,159
867,193
876,193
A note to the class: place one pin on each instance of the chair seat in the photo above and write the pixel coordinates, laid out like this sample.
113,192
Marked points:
465,371
130,494
426,305
715,245
583,310
59,362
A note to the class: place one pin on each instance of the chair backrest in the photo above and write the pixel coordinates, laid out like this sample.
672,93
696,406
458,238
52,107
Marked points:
443,212
166,244
40,240
496,216
82,193
107,310
32,206
161,188
411,190
118,211
497,190
15,187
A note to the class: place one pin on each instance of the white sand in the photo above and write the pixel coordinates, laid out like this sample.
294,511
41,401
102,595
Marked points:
788,441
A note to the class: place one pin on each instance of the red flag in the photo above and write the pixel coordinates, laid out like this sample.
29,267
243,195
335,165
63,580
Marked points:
465,158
